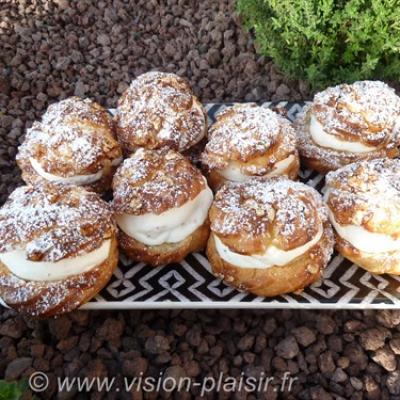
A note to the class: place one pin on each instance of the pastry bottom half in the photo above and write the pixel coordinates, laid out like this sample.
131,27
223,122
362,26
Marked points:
165,253
50,298
30,176
216,180
377,263
324,160
268,282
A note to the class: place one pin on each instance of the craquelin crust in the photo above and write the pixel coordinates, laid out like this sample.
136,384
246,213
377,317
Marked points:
250,216
367,194
154,181
294,276
75,137
159,109
50,298
165,253
254,138
324,160
54,221
365,112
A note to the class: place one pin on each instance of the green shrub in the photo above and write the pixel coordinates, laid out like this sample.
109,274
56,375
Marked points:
328,41
12,390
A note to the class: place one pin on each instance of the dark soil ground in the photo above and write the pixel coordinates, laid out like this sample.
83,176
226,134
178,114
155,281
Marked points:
53,49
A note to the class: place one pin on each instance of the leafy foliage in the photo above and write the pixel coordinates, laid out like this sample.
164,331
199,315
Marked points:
328,41
12,390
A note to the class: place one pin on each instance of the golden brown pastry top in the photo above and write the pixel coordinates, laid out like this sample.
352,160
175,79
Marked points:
159,109
246,131
365,112
53,221
249,216
367,194
74,137
154,181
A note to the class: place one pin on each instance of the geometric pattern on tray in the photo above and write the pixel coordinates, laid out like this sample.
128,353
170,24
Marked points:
190,284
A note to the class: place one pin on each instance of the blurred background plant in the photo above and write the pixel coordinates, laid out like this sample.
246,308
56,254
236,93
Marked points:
327,41
12,390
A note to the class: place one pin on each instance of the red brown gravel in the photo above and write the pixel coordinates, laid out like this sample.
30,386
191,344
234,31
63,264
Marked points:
336,366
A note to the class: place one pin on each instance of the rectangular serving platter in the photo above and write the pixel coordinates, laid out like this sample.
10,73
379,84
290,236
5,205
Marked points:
190,284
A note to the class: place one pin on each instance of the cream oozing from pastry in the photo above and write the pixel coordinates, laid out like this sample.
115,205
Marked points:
70,180
16,261
324,139
364,240
233,171
273,256
171,226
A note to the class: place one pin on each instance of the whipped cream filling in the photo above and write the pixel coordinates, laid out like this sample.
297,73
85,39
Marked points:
273,256
16,261
364,240
70,180
232,172
171,226
324,139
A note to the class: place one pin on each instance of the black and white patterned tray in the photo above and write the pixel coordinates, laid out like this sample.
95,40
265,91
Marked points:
190,284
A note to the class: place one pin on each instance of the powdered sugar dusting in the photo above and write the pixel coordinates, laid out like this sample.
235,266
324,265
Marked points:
367,112
366,193
365,109
37,298
75,108
54,222
155,181
75,137
159,109
277,205
246,131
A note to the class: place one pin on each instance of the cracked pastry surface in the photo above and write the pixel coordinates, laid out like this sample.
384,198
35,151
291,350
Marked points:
246,141
161,204
349,123
159,109
73,143
58,248
269,236
364,207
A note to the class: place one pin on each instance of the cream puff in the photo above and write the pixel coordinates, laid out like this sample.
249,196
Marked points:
58,248
73,144
159,109
364,208
349,123
161,204
269,236
246,141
